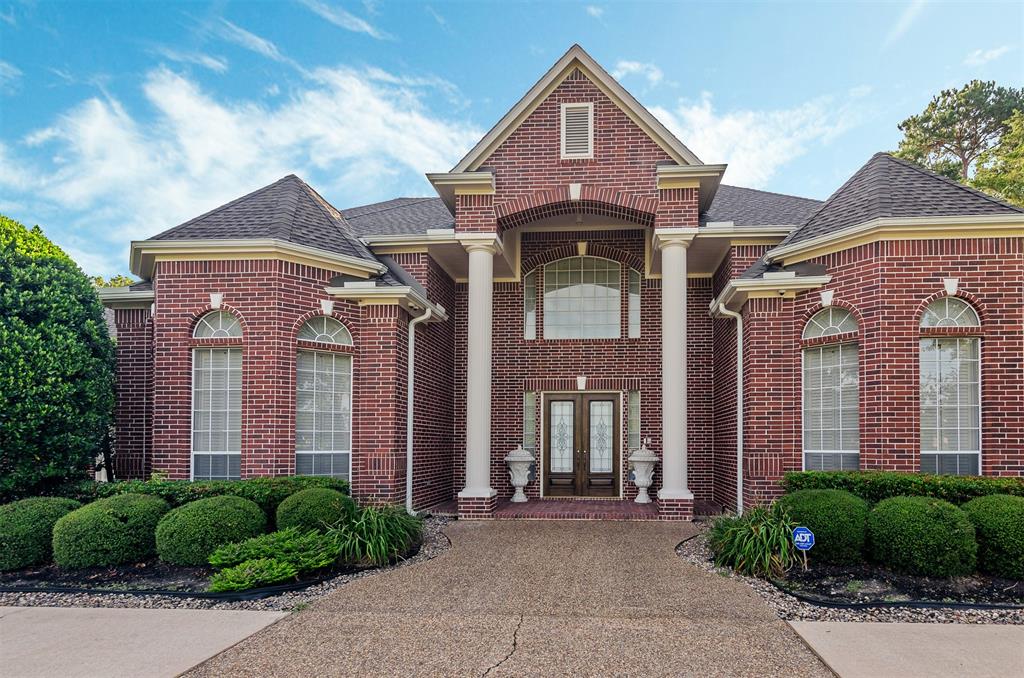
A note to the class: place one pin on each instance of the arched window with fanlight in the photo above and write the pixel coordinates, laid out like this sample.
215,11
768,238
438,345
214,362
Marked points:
217,399
950,390
323,401
831,393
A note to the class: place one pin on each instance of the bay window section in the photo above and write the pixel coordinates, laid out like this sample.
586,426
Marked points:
582,299
323,419
216,413
831,408
950,406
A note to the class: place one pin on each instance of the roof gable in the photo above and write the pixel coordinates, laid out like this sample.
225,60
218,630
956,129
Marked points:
288,210
576,58
888,187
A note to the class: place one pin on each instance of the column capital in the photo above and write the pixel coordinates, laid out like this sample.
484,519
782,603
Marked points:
672,237
480,242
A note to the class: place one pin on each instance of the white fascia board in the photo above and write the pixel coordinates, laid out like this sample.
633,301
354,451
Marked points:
123,297
980,221
537,93
431,237
741,287
403,292
143,249
447,184
726,229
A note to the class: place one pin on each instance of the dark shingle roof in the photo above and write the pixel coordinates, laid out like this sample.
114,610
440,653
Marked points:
890,187
748,207
399,216
287,210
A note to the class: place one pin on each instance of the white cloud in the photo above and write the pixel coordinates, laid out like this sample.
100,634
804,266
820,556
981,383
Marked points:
9,77
8,17
342,19
646,70
106,176
250,41
595,11
217,64
904,22
980,57
756,144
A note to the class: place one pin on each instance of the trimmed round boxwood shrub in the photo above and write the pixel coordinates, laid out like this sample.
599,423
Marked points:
838,520
26,530
999,526
922,536
110,531
317,508
190,533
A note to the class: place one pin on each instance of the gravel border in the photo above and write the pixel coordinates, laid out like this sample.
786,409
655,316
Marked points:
696,552
434,543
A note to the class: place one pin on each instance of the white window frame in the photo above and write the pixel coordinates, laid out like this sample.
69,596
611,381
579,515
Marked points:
803,387
634,331
590,131
981,396
352,411
542,291
192,412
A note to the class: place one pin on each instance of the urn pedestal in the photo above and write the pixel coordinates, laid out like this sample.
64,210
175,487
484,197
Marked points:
519,462
642,462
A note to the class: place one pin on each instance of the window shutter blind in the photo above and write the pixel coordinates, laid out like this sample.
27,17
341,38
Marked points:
577,135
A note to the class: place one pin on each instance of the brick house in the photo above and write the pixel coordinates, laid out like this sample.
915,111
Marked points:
581,274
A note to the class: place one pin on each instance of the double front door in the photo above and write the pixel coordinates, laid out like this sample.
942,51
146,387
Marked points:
581,445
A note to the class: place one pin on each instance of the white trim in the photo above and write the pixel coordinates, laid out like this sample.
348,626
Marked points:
803,388
981,392
726,229
741,288
407,297
192,409
575,57
589,154
351,407
124,297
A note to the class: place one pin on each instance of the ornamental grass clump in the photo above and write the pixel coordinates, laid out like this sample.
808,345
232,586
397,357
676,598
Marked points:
999,527
305,551
377,535
922,536
838,520
26,530
759,543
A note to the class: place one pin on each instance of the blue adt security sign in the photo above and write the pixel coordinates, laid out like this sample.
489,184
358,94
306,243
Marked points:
803,538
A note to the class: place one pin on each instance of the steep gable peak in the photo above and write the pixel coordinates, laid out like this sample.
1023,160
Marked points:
574,64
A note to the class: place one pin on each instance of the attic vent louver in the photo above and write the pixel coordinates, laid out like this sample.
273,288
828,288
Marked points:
578,130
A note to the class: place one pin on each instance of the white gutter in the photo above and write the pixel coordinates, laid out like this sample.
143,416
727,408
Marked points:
739,404
409,403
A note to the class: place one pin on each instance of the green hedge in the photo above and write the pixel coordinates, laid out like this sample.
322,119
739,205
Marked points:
874,486
26,530
922,536
110,531
838,520
999,525
268,492
317,508
252,574
190,533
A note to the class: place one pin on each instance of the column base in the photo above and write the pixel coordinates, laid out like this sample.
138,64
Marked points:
675,509
479,506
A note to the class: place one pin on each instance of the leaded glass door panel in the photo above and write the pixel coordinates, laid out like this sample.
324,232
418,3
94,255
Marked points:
582,445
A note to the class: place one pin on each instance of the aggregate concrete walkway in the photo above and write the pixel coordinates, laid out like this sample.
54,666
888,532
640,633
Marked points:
86,642
532,599
868,650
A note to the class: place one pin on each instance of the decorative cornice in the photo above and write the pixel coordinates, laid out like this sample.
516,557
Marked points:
667,237
366,295
738,290
450,184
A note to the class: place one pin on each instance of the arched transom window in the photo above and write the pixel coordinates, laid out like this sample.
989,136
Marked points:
831,395
325,330
582,299
950,391
217,325
830,321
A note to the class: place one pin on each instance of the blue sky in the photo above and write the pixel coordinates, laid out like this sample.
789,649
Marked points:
118,120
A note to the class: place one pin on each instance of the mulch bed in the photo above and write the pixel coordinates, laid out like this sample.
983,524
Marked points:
149,575
872,584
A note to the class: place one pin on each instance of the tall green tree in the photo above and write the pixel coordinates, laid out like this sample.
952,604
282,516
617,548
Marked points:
1001,169
56,366
958,126
114,281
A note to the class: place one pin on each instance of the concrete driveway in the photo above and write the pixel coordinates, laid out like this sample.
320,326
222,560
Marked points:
533,598
86,642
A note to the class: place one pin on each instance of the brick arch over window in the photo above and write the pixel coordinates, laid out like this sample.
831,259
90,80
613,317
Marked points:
194,320
594,249
817,308
971,299
318,312
597,200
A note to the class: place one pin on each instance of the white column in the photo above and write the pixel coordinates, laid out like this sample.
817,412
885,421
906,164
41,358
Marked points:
478,372
673,367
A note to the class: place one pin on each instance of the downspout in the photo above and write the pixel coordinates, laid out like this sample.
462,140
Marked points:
409,405
739,404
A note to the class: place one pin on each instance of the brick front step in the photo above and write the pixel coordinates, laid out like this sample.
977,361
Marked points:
575,509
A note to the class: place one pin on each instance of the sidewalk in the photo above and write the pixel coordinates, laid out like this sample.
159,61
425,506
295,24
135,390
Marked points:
88,642
877,650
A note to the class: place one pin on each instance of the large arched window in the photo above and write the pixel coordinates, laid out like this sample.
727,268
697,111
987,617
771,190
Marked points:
323,401
217,400
831,398
582,299
950,391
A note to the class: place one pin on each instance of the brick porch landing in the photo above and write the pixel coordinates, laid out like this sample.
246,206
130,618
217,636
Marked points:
575,509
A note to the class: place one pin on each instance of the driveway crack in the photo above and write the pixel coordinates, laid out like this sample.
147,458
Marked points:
515,646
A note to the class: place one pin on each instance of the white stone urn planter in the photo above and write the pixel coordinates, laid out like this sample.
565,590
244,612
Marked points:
519,462
642,462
